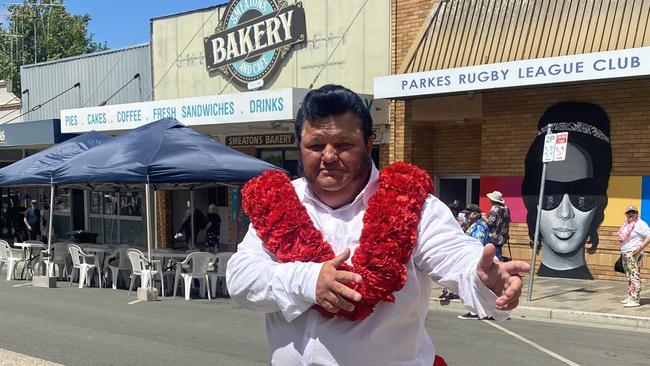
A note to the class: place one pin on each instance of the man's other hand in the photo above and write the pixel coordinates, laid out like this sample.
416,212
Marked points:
501,277
331,293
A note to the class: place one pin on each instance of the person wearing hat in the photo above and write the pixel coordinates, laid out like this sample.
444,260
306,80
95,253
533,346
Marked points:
476,228
634,236
498,222
32,220
454,207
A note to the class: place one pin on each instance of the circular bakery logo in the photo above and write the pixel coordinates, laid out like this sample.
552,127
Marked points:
252,39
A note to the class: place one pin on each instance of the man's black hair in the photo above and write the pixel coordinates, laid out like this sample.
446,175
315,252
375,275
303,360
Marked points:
333,100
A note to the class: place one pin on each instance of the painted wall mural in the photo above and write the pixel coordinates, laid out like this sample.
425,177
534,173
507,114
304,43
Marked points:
575,196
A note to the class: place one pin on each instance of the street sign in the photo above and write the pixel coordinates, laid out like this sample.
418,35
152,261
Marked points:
555,145
561,141
549,148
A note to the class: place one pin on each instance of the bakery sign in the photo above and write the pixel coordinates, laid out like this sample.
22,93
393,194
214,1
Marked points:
252,39
262,140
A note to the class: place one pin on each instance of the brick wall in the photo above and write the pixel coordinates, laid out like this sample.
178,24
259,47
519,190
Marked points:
164,219
447,147
407,18
511,117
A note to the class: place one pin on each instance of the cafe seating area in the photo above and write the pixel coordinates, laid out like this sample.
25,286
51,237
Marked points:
116,267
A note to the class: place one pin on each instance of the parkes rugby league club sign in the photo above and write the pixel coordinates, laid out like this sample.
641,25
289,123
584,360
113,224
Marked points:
253,38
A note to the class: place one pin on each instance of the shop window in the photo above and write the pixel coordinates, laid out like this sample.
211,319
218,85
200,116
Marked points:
286,159
375,155
218,196
465,189
103,218
62,201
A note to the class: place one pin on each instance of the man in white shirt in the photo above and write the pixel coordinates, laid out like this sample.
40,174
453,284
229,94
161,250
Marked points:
333,130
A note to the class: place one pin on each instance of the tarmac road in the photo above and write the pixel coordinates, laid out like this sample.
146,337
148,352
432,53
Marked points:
73,326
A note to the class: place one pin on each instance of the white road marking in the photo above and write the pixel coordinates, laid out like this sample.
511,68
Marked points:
525,340
10,358
22,284
135,302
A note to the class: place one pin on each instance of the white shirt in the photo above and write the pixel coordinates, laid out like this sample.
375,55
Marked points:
637,237
394,334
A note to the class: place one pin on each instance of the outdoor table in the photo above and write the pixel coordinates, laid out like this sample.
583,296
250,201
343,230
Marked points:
100,255
28,247
173,257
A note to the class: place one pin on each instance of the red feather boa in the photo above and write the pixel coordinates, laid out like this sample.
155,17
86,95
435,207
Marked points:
387,240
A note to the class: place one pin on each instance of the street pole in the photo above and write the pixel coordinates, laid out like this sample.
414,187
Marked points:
537,221
192,219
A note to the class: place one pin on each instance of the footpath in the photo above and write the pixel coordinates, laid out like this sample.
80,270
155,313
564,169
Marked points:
584,301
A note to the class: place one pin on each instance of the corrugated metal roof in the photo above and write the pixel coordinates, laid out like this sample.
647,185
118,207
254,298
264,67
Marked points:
86,55
460,33
100,74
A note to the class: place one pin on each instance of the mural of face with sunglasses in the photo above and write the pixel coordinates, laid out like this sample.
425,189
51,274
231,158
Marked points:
568,209
575,193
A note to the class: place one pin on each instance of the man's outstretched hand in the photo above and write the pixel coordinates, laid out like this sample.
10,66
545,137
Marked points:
331,293
501,277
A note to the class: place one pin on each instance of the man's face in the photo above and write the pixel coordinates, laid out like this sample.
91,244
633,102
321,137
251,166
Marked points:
335,154
632,215
472,216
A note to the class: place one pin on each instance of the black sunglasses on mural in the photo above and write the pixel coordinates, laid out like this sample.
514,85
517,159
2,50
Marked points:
579,192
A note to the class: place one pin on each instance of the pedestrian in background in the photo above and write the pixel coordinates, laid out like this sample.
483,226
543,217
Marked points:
212,230
186,225
634,236
476,228
498,221
32,221
454,207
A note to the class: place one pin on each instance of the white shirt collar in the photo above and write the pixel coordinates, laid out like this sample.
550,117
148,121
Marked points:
304,193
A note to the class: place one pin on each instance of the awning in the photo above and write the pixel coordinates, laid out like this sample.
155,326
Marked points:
32,134
37,169
467,45
164,153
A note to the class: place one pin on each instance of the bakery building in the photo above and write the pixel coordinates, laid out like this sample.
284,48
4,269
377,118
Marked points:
238,73
473,87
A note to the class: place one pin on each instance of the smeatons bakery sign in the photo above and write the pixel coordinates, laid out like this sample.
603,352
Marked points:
252,38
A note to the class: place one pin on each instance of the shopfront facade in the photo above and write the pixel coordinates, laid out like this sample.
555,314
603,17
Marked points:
19,140
468,106
242,48
101,78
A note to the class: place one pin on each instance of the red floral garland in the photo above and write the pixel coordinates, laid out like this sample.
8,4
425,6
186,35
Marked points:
387,240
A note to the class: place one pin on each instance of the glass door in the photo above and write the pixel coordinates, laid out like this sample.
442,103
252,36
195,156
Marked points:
464,188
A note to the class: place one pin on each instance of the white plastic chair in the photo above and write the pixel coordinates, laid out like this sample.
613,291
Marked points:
80,262
144,268
6,256
198,268
218,277
124,264
59,259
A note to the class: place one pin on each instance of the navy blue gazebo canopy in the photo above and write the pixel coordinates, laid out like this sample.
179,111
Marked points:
161,153
38,169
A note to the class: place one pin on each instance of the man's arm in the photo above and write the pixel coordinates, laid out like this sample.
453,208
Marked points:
25,220
450,257
257,281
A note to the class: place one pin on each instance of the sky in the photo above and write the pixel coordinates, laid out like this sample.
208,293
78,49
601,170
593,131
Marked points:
122,23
